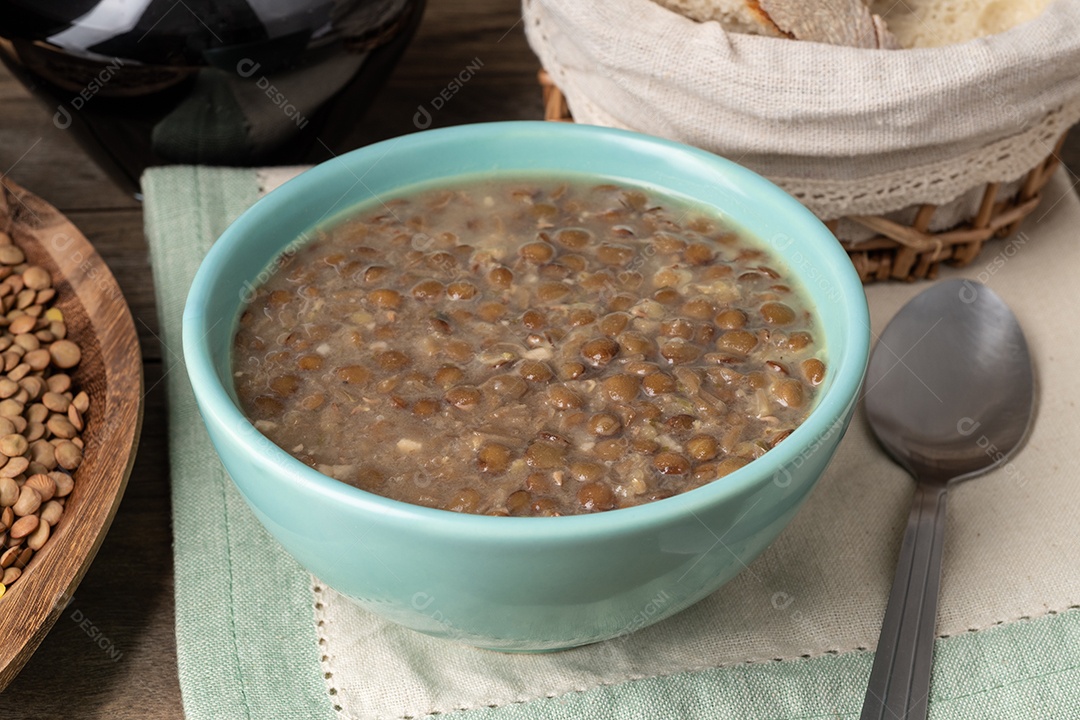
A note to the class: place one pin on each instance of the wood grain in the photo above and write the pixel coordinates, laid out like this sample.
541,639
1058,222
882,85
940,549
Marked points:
118,238
127,594
111,373
41,155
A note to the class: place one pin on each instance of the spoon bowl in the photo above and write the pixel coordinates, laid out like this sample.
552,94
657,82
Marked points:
950,385
950,395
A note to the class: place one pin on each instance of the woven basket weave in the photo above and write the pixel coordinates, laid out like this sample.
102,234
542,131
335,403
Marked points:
910,251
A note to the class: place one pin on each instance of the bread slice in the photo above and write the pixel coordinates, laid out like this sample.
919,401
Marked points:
836,22
737,16
933,23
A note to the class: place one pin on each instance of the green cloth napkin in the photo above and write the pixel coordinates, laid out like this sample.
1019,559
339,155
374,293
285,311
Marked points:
247,644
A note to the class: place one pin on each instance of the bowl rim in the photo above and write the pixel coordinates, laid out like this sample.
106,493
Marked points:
827,417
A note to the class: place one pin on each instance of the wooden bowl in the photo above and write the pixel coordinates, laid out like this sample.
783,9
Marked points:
99,320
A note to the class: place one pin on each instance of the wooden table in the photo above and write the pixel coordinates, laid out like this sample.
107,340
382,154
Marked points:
128,592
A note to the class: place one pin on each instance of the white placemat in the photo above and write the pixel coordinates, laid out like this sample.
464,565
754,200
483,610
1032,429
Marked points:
1012,548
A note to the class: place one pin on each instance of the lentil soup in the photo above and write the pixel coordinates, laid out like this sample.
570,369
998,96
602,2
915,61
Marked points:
527,347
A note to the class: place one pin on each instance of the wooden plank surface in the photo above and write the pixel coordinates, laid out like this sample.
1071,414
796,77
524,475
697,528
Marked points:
127,595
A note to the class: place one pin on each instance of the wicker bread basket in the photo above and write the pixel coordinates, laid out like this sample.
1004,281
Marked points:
900,251
912,158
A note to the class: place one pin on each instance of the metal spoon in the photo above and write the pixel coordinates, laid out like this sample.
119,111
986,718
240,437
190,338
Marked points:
950,395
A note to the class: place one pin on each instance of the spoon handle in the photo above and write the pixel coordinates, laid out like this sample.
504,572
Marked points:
900,680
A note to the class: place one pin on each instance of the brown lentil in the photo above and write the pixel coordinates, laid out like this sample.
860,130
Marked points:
36,278
737,341
564,398
427,290
494,458
535,371
731,319
463,397
386,299
64,483
60,427
658,383
29,342
461,291
614,323
702,447
28,503
500,277
622,388
43,485
600,351
68,455
596,496
776,313
15,467
813,370
537,252
354,374
65,354
51,512
698,308
81,401
39,359
789,393
679,352
670,463
37,539
24,526
604,424
466,501
9,492
447,376
13,445
518,502
544,454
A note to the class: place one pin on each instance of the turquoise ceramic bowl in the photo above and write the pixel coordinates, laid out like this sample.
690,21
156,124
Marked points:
524,584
